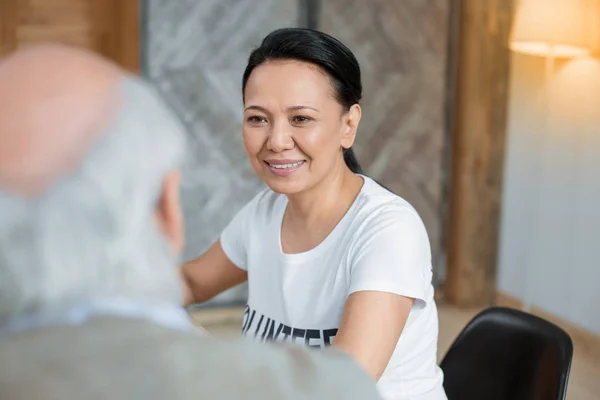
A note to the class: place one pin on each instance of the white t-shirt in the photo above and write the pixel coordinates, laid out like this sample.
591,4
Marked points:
380,244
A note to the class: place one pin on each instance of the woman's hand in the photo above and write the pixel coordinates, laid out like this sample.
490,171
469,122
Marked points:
208,275
371,326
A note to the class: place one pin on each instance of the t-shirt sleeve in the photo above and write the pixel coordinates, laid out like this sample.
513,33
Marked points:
234,238
392,254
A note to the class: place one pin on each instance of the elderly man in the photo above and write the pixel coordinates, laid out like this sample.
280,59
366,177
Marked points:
90,231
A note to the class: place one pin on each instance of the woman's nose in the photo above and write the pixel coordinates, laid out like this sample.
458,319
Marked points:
280,138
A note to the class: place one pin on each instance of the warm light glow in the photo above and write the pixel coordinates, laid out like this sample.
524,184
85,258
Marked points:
545,49
575,94
553,27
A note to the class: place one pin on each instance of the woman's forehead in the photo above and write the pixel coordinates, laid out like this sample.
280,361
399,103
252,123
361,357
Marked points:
293,81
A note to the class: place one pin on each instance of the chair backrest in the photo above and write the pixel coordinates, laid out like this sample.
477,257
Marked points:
506,354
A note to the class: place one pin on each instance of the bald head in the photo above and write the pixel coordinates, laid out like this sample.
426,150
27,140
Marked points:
55,102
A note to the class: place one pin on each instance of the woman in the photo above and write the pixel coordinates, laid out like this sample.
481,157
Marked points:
331,257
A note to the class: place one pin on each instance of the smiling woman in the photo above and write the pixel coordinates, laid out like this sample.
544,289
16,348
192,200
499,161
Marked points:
299,119
331,257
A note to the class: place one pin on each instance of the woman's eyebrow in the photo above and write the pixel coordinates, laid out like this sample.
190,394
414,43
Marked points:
293,108
259,108
296,108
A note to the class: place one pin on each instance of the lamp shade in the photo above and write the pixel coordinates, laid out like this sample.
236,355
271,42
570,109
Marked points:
552,27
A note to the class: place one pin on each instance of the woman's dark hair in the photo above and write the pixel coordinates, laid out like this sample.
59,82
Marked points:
319,49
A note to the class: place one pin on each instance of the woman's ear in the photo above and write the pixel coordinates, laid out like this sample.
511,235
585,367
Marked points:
168,214
351,120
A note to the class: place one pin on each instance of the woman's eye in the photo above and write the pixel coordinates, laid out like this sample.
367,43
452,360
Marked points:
256,119
300,119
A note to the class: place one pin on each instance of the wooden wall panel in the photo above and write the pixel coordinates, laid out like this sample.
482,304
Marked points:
8,25
117,31
65,21
109,27
477,160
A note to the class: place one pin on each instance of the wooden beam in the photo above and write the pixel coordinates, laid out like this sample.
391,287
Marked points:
117,29
128,31
477,147
109,27
8,21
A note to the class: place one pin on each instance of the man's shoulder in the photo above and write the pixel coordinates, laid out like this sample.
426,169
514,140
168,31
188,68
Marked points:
133,353
285,371
281,371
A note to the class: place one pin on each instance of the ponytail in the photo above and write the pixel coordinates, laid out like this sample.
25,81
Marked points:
351,161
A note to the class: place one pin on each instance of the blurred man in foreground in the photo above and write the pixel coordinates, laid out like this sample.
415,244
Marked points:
90,232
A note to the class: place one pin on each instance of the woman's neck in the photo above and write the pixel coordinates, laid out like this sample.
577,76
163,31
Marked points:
312,215
327,196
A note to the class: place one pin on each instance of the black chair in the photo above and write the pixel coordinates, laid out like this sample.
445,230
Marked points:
506,354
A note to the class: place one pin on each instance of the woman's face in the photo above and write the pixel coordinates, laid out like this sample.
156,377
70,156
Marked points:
294,130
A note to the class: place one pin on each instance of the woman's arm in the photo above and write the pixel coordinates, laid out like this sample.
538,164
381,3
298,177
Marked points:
390,267
208,275
371,326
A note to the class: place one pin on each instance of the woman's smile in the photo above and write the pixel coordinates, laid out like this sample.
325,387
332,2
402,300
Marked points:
284,167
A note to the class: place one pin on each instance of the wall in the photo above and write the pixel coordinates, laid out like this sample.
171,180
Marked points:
196,51
551,215
402,49
27,22
109,27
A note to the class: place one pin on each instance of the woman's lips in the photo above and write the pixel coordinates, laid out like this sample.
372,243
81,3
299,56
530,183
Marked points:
284,167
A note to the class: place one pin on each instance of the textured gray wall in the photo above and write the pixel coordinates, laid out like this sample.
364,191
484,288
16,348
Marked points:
196,51
401,46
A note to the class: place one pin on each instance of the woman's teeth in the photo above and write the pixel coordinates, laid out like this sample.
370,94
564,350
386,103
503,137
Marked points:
284,166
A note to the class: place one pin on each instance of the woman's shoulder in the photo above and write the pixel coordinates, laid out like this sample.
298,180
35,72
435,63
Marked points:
379,202
381,212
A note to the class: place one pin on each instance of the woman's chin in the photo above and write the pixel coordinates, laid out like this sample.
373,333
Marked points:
284,186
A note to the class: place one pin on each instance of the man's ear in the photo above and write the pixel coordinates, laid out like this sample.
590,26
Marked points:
168,212
351,120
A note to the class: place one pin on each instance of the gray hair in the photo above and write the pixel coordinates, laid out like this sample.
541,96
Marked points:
92,235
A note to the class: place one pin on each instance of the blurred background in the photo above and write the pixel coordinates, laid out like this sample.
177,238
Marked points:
484,114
